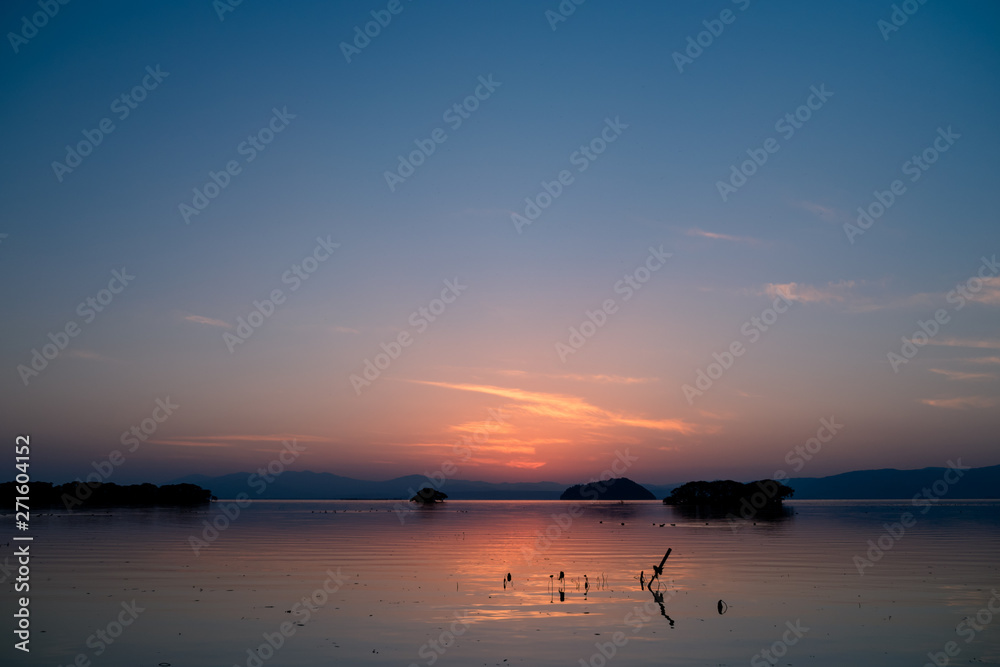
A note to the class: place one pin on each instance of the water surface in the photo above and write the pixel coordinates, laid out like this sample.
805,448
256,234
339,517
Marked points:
439,575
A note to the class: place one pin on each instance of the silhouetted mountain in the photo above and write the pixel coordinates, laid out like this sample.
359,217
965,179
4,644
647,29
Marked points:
307,485
890,484
619,488
862,484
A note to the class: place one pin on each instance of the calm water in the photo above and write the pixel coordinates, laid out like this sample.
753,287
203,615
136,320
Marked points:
442,570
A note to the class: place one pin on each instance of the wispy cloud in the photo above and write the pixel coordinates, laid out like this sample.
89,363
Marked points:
611,379
827,213
206,320
571,409
185,442
990,292
962,403
982,360
498,448
803,293
576,377
982,343
694,231
531,465
233,440
959,375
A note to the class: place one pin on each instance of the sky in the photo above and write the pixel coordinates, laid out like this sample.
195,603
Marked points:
510,241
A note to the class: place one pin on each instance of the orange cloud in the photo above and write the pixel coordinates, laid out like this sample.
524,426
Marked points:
611,379
961,403
531,465
571,409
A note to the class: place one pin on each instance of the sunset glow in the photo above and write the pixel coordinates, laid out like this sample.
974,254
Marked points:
609,247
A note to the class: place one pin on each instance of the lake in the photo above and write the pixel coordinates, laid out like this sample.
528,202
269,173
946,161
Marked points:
364,582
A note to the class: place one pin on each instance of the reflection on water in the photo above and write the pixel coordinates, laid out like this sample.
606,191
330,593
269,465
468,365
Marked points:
773,514
526,583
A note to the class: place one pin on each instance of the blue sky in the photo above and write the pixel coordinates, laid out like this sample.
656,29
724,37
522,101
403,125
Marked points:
783,232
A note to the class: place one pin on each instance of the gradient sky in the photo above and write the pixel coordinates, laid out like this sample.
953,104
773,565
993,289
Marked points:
782,233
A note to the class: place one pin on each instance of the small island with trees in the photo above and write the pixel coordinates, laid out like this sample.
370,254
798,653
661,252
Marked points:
429,496
618,488
88,495
728,494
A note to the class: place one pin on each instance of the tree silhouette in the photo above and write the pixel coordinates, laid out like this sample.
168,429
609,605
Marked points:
727,493
428,496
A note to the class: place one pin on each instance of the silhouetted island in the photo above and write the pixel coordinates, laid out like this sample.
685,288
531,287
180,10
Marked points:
428,496
619,488
84,495
729,494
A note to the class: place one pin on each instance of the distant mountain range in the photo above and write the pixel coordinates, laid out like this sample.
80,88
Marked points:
887,483
309,485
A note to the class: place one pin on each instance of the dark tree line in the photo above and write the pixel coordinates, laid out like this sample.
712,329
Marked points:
75,495
727,493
